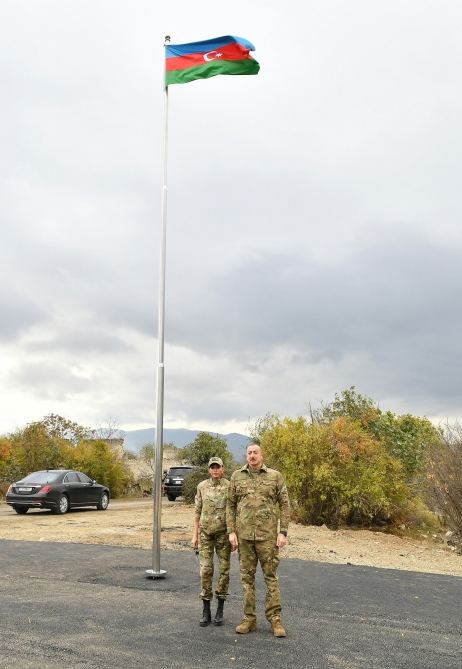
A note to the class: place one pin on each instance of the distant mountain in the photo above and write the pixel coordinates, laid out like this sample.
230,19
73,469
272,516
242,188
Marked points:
135,439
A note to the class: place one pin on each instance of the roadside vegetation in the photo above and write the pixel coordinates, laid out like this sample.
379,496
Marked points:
198,453
57,443
345,463
350,463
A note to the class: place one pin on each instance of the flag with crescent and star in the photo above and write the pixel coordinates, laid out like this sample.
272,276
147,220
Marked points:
201,60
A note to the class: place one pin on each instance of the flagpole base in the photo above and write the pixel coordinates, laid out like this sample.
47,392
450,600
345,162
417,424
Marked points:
150,573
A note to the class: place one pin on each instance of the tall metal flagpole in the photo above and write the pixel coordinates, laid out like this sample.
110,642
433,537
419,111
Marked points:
156,571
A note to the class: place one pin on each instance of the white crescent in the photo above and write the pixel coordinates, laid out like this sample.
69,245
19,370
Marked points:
207,55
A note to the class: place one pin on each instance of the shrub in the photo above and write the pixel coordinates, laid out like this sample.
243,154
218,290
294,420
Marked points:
191,482
417,517
7,468
443,484
204,447
405,437
34,449
335,472
56,443
99,461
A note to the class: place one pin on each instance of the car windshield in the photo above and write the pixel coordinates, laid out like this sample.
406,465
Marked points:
40,477
179,471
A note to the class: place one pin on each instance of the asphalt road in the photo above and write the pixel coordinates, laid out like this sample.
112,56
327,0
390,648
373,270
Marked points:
83,606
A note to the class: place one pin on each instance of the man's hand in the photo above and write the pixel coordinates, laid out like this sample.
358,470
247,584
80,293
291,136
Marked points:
233,541
194,541
281,540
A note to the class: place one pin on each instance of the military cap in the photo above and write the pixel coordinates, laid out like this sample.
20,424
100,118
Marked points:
215,461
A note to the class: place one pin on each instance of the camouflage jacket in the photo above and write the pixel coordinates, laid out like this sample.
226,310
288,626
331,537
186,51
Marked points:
210,505
256,503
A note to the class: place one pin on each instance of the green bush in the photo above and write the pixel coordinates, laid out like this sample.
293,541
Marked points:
99,461
7,471
405,437
204,447
335,472
33,448
191,482
56,443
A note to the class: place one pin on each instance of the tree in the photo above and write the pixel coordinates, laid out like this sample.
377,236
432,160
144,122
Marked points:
443,484
405,437
352,404
62,428
192,481
101,462
262,425
7,464
34,448
147,453
109,430
335,472
204,447
5,450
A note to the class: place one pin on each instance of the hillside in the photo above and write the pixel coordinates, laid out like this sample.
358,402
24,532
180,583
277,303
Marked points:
135,439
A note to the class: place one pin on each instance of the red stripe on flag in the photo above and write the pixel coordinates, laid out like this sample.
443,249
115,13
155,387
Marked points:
228,52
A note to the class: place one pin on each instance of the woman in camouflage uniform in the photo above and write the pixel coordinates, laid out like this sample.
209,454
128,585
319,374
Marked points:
210,535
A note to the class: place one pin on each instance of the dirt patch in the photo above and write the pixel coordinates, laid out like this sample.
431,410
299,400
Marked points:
129,523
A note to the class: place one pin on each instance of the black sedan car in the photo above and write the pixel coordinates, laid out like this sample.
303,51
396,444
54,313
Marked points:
58,490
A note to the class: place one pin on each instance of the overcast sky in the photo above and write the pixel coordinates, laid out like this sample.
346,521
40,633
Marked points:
314,211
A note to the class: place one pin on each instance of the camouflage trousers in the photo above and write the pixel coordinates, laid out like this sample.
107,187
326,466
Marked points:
267,553
208,545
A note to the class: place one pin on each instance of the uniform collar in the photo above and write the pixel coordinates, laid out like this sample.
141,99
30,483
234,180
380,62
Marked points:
217,482
246,468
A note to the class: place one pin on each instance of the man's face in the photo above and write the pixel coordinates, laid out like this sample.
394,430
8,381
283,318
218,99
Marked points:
216,471
254,456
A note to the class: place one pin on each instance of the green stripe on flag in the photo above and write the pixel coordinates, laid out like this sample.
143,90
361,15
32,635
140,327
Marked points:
245,66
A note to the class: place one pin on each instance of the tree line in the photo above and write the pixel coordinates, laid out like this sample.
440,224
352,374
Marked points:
350,463
58,443
346,462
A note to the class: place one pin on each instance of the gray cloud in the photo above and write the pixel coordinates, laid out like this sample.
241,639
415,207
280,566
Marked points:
385,292
81,342
18,312
314,212
52,380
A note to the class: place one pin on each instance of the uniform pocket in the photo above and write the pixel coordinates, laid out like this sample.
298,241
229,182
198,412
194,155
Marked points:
268,488
242,489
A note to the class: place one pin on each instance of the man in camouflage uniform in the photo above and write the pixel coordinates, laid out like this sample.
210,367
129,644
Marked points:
210,535
257,503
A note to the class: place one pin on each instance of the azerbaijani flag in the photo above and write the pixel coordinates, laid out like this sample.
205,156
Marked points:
201,60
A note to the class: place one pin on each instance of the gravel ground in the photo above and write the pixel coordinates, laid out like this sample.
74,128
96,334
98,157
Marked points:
129,523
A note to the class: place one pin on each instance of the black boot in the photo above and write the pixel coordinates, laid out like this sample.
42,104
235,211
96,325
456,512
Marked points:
206,614
219,614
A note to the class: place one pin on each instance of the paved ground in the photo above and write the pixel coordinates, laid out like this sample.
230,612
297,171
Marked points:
83,606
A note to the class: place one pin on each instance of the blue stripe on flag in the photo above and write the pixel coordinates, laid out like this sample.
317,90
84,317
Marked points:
172,50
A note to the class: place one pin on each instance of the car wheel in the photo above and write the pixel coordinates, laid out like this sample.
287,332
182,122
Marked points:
62,506
103,502
21,509
171,498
